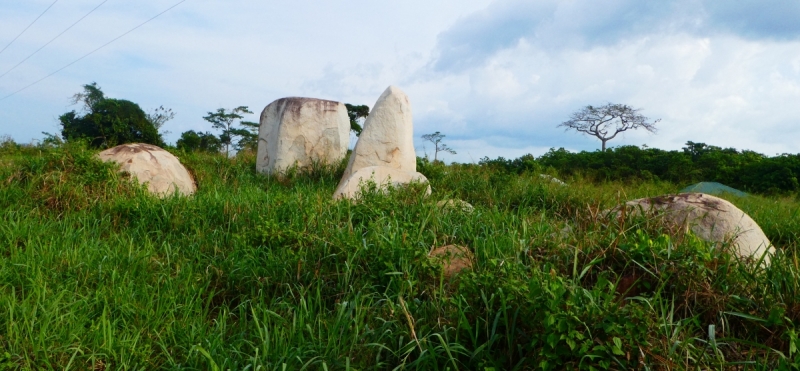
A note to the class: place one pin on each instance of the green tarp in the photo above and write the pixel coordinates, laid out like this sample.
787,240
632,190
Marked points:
713,188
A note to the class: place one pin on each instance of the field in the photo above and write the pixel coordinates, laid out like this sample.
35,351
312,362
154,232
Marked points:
260,273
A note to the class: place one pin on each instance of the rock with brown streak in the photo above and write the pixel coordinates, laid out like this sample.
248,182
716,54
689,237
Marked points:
301,131
710,218
163,172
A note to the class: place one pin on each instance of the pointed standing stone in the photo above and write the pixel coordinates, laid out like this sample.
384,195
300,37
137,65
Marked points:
388,136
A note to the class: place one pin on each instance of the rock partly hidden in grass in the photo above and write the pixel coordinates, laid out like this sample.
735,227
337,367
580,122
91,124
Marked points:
453,258
301,131
163,172
388,136
710,218
379,177
552,179
460,205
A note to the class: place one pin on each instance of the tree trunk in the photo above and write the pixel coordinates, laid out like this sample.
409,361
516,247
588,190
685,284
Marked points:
604,144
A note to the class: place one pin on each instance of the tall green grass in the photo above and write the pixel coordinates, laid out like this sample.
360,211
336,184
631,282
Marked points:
260,273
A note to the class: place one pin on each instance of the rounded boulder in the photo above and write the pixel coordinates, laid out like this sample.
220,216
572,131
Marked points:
152,165
710,218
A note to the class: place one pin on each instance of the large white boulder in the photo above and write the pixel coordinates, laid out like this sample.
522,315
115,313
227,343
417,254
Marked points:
299,131
163,172
710,218
388,136
383,177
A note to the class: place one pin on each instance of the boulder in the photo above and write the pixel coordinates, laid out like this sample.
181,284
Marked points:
388,136
710,218
460,205
552,179
453,258
384,177
300,131
163,172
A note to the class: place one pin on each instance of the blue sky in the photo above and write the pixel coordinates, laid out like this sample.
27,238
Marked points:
496,77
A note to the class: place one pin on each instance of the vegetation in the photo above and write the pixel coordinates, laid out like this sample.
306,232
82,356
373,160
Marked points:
224,120
357,114
606,122
191,141
109,122
436,138
260,273
745,170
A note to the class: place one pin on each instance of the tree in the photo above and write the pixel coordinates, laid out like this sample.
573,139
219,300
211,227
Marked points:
248,136
356,113
224,120
159,116
108,122
436,139
607,121
199,141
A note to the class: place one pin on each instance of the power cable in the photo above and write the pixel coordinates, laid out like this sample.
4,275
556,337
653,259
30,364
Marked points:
29,26
51,40
92,52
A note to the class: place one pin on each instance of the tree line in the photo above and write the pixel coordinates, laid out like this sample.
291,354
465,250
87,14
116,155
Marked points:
105,122
746,170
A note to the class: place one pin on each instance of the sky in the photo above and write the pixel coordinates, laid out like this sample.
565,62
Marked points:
496,77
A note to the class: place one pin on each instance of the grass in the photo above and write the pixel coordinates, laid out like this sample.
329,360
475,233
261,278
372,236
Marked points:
260,273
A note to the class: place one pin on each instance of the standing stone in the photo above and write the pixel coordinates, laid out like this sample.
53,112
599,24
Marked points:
299,131
388,136
710,218
150,164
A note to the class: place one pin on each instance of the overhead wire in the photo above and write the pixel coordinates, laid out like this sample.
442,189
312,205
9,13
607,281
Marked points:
53,39
29,26
93,51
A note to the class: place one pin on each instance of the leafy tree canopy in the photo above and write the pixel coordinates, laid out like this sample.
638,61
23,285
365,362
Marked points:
108,122
193,141
223,120
605,122
356,113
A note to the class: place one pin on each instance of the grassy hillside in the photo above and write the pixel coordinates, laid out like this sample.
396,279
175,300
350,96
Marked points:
264,274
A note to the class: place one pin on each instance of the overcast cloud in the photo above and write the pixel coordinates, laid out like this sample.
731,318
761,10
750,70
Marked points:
496,77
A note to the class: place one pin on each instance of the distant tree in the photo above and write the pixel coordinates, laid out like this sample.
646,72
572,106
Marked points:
108,122
198,141
607,121
356,113
159,116
224,120
436,139
248,136
51,140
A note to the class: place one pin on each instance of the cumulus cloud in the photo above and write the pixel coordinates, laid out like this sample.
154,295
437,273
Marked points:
716,72
556,24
